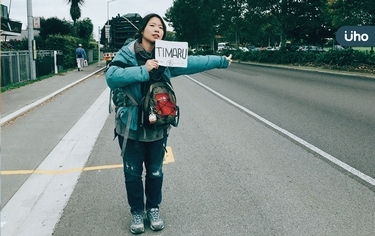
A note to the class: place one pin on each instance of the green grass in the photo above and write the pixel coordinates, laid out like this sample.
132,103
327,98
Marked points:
363,48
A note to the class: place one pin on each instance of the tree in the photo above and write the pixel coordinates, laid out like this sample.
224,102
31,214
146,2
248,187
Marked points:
85,29
351,12
194,21
309,23
268,21
272,19
184,19
75,9
295,20
52,26
233,24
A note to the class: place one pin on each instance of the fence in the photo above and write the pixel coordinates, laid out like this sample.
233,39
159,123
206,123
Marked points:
15,66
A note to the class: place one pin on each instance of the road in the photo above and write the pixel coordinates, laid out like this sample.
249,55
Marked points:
335,113
228,172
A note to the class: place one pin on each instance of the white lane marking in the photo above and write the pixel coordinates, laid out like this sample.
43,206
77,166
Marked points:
21,111
37,206
325,155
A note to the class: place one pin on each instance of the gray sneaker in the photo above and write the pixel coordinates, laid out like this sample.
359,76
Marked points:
156,223
137,226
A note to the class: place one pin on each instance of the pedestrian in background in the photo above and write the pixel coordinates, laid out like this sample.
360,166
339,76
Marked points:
148,148
80,57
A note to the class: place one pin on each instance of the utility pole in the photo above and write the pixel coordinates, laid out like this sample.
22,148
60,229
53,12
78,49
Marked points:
108,26
31,45
99,45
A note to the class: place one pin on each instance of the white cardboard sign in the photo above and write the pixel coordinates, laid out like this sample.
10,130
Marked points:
172,54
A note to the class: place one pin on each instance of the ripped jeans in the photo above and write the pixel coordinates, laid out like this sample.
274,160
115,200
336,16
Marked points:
151,154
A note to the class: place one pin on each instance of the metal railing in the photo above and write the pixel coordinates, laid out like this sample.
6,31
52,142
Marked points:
15,66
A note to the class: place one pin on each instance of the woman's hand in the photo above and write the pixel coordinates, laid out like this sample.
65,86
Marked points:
152,64
229,58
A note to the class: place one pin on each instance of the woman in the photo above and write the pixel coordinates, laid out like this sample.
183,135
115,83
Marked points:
147,148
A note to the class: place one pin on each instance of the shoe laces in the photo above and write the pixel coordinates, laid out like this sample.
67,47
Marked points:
137,218
154,214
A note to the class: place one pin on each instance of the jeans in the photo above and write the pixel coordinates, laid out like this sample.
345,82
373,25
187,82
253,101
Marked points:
151,154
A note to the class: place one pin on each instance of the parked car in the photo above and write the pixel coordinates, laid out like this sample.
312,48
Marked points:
311,48
269,48
197,50
253,48
244,49
222,46
338,47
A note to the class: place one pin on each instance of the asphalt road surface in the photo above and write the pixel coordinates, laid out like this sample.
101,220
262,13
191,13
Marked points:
234,166
335,113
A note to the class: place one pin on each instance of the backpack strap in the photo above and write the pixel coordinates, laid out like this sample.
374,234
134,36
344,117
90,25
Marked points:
127,128
119,64
110,102
135,103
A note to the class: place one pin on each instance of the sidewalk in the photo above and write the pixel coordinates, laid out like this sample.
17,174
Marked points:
18,101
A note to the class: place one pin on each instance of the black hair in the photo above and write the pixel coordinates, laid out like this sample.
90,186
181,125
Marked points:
143,25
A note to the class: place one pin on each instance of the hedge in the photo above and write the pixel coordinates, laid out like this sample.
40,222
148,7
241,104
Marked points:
348,59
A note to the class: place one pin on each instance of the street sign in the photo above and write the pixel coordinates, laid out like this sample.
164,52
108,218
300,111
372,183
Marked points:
36,22
9,27
107,28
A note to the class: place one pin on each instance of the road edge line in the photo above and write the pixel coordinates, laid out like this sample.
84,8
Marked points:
293,137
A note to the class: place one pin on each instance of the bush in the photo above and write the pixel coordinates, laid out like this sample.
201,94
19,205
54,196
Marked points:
339,59
67,44
347,57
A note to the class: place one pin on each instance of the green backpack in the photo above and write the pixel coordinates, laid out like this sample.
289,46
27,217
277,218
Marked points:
158,106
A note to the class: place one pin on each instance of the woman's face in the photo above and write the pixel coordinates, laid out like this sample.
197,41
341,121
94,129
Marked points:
154,30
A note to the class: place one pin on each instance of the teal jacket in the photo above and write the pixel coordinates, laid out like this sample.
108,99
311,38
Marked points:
131,77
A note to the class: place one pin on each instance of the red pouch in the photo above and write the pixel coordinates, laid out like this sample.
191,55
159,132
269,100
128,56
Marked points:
164,105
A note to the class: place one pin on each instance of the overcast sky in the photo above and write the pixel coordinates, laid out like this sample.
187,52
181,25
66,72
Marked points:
96,10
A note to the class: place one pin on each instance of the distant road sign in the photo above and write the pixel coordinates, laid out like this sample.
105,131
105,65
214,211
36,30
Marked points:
10,27
107,28
36,22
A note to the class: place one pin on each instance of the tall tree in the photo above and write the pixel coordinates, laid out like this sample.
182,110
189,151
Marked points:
194,21
75,9
309,22
53,25
233,24
85,29
351,12
210,13
184,18
296,20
